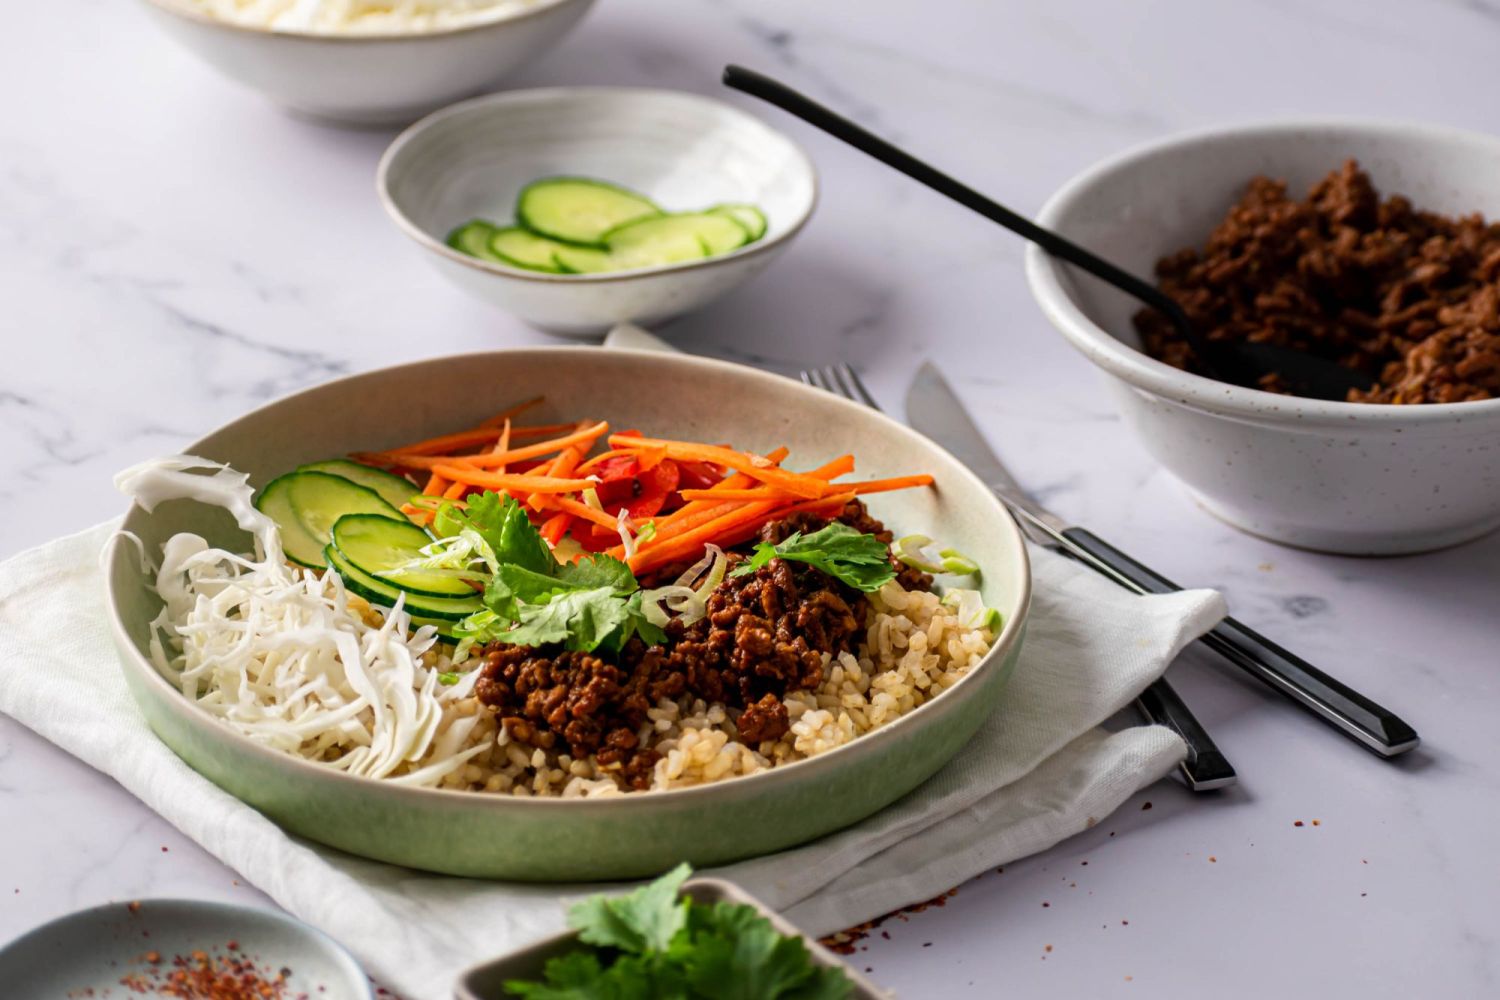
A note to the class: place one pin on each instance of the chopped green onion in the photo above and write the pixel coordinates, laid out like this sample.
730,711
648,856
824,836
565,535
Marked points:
956,562
919,552
969,606
448,679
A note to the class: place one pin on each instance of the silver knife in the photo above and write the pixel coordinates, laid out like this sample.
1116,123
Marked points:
933,409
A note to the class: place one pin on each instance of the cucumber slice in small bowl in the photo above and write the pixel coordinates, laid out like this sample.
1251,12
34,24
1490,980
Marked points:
393,489
377,546
473,238
672,239
522,248
579,209
752,218
583,260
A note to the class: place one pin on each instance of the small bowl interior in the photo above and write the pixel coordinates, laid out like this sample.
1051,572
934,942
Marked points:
1141,207
683,151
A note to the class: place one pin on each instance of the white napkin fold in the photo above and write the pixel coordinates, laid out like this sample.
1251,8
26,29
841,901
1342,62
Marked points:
1039,770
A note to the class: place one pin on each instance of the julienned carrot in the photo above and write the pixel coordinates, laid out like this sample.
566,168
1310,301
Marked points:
764,493
471,476
436,484
886,485
474,437
514,411
455,491
579,509
733,482
566,464
754,466
555,527
492,459
823,505
502,443
690,541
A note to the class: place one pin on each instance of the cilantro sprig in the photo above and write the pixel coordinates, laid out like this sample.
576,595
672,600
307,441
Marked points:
656,943
533,600
862,561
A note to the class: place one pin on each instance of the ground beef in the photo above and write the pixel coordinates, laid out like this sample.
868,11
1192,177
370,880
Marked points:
1409,297
764,720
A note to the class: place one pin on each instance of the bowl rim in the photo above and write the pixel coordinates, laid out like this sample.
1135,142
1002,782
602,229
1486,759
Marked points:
119,547
183,906
1044,276
413,134
181,8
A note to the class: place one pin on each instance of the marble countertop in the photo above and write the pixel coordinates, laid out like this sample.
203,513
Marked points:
173,251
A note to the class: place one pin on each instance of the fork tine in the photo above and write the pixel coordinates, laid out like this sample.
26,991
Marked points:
809,377
860,393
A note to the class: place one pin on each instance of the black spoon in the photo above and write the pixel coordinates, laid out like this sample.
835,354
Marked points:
1239,363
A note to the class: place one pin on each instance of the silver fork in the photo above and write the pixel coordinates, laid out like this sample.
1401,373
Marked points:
1206,767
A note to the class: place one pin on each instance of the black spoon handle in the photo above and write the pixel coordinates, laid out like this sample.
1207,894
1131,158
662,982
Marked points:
810,111
1373,726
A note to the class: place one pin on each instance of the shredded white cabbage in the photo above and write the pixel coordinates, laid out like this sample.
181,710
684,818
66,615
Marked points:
279,654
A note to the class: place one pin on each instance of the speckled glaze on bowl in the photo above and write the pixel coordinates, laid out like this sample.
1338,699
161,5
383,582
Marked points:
1352,478
683,151
370,80
539,839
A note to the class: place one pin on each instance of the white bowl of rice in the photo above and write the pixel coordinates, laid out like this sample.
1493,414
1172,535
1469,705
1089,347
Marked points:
367,62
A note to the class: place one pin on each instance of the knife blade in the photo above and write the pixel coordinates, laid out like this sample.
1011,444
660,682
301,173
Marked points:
934,409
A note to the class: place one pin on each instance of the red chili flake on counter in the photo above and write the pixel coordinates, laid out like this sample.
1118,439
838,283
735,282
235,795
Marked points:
134,906
1317,822
1046,904
1212,860
1297,823
1048,947
1145,806
846,942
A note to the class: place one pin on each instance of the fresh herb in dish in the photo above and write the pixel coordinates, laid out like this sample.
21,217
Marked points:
557,609
576,225
656,942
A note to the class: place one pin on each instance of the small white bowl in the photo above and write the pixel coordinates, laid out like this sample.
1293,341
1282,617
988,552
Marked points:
1353,478
683,151
370,79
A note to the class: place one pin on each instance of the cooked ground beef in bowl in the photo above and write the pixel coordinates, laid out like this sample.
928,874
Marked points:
1410,297
754,682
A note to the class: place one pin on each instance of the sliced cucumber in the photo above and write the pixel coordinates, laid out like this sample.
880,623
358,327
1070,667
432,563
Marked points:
519,248
473,238
583,260
393,489
752,218
305,505
377,545
384,595
299,545
579,210
672,239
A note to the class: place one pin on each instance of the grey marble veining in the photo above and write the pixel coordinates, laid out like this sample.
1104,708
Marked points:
173,252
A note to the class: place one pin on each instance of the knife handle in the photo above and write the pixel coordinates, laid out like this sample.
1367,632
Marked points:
1374,727
1205,767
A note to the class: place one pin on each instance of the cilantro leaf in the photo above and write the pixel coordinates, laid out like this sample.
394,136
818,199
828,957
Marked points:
647,919
599,570
862,561
736,954
581,618
504,524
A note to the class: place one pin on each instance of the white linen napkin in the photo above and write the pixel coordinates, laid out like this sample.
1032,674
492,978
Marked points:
1039,770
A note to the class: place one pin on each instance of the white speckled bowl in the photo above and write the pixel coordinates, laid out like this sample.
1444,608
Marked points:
370,79
681,150
1353,478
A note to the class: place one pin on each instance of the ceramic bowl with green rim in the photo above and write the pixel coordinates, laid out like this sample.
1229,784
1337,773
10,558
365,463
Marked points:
556,839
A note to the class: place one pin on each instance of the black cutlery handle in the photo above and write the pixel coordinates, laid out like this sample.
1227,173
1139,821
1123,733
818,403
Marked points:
1206,767
1375,727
